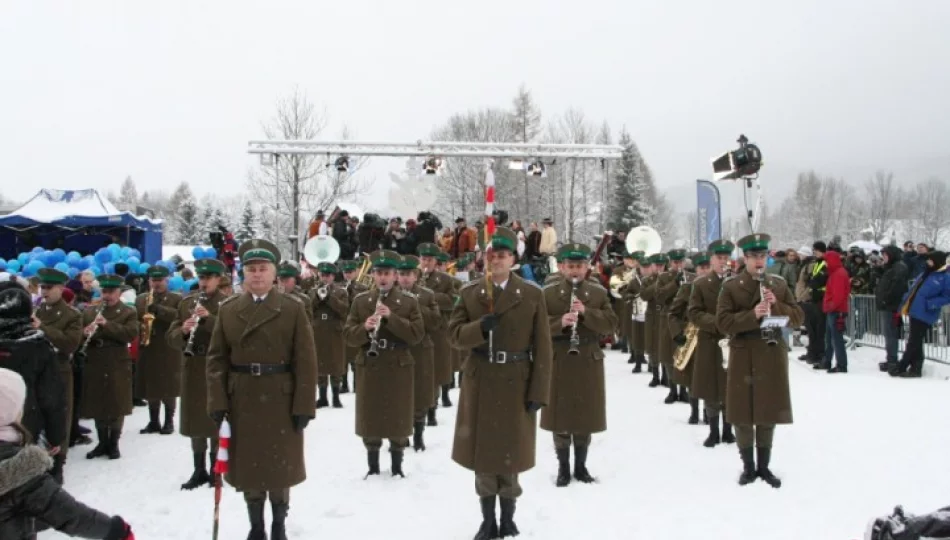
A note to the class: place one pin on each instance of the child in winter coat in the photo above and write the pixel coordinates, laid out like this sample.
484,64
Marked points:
29,497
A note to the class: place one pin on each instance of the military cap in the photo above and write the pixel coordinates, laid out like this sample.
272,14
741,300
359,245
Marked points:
677,254
327,268
639,256
225,282
52,276
110,281
700,259
385,258
349,266
659,258
573,252
209,267
504,238
464,260
258,250
755,242
628,255
288,269
409,262
427,249
442,257
160,272
722,247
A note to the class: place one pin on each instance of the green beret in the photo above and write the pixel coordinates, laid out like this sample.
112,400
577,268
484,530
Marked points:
385,258
409,262
110,281
258,250
208,267
349,266
573,252
442,257
52,276
504,238
428,249
755,242
677,254
327,268
288,269
721,247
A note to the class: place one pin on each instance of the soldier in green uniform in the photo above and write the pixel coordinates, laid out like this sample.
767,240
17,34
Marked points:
581,309
262,376
637,312
709,375
507,380
353,288
678,325
62,325
385,322
288,279
666,286
158,374
442,285
648,294
620,305
197,314
443,261
330,307
423,368
758,395
107,379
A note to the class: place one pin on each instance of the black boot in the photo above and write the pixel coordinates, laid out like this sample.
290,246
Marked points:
563,466
278,516
418,444
748,467
683,395
581,473
638,363
396,456
322,400
430,417
488,530
446,402
507,526
452,382
153,426
59,460
169,426
727,436
114,443
372,457
337,404
139,402
632,359
200,475
714,438
624,347
345,383
655,381
255,513
693,412
764,455
672,396
102,446
664,377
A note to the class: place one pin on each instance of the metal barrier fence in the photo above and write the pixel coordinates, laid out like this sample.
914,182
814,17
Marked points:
865,327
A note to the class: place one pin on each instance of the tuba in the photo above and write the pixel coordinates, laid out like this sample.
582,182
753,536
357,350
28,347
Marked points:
644,239
321,249
682,355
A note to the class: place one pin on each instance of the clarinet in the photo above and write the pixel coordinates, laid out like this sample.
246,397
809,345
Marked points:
373,351
767,333
190,346
575,339
81,353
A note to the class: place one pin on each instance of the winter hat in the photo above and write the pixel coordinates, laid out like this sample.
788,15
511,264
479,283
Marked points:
74,285
15,302
12,396
68,296
939,258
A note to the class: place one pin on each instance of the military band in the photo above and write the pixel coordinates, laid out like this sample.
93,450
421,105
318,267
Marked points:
353,287
158,375
330,304
442,285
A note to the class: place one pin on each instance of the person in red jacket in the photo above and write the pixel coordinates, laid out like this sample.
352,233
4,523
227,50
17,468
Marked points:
835,306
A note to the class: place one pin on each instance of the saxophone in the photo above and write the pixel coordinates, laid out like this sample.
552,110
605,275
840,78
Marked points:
682,355
148,320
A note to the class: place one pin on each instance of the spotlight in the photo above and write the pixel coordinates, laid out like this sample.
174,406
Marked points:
516,165
744,162
342,164
432,165
537,169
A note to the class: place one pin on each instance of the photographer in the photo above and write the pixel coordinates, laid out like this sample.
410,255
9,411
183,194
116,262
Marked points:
343,233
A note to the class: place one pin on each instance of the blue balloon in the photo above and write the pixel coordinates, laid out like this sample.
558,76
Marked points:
109,268
14,266
104,256
32,268
72,273
3,265
211,253
143,267
124,252
197,252
23,258
114,247
95,270
62,267
59,255
176,283
135,253
133,262
73,256
37,249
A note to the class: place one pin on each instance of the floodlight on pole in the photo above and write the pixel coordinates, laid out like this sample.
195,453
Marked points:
342,164
537,169
432,165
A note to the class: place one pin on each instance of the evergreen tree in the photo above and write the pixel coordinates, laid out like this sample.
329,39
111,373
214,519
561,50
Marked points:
128,194
187,226
248,227
206,221
631,205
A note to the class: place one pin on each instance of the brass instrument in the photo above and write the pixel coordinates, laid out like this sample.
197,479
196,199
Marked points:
768,333
682,355
81,353
619,280
724,347
190,346
575,340
322,290
364,276
373,351
148,320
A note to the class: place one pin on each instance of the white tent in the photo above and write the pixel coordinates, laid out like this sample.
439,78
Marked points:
51,205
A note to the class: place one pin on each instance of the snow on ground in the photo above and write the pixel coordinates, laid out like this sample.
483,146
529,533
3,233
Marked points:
861,443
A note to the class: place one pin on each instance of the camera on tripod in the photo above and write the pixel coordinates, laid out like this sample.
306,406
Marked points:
743,162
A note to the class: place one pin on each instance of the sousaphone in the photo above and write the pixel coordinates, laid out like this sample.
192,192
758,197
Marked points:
321,249
647,240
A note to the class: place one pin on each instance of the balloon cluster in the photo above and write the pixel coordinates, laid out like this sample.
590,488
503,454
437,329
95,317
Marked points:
72,263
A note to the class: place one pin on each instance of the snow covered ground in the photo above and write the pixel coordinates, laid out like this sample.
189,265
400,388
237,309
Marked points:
861,443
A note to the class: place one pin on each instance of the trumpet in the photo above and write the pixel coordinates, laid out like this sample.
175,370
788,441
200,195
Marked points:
768,333
575,340
190,346
373,350
81,353
322,291
148,320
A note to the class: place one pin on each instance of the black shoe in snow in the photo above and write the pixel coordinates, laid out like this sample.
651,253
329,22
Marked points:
507,526
749,473
581,474
488,530
727,436
200,475
563,467
372,458
396,463
764,456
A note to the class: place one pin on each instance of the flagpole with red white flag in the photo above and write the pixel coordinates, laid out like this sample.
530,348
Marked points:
220,468
489,232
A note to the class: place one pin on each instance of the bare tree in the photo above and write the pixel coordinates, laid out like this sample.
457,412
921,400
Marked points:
526,125
883,201
931,204
297,183
690,222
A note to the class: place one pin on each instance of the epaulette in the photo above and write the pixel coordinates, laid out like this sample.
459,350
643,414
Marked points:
426,289
597,286
228,299
469,284
294,297
776,276
410,294
533,284
364,293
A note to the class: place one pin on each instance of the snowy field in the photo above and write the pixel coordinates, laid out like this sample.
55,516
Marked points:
861,443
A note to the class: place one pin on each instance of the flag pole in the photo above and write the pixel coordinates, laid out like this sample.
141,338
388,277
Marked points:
220,468
489,231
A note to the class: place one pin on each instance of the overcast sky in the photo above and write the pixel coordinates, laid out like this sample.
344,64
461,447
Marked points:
168,91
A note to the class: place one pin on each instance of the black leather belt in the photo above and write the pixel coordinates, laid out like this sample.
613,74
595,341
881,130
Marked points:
261,369
105,344
581,341
388,344
751,334
503,357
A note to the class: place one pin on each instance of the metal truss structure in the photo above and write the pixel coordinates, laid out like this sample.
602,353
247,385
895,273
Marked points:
438,149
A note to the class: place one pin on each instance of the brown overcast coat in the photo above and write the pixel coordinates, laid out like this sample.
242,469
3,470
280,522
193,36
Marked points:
666,288
327,317
62,325
107,376
440,283
158,373
424,368
709,377
648,294
677,324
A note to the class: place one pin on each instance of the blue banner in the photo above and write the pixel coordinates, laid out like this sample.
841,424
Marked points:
708,215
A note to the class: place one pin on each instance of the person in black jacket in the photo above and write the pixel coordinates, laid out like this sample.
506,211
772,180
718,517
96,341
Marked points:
26,351
890,289
30,500
816,279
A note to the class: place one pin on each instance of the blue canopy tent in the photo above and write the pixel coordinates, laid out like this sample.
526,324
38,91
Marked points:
77,220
